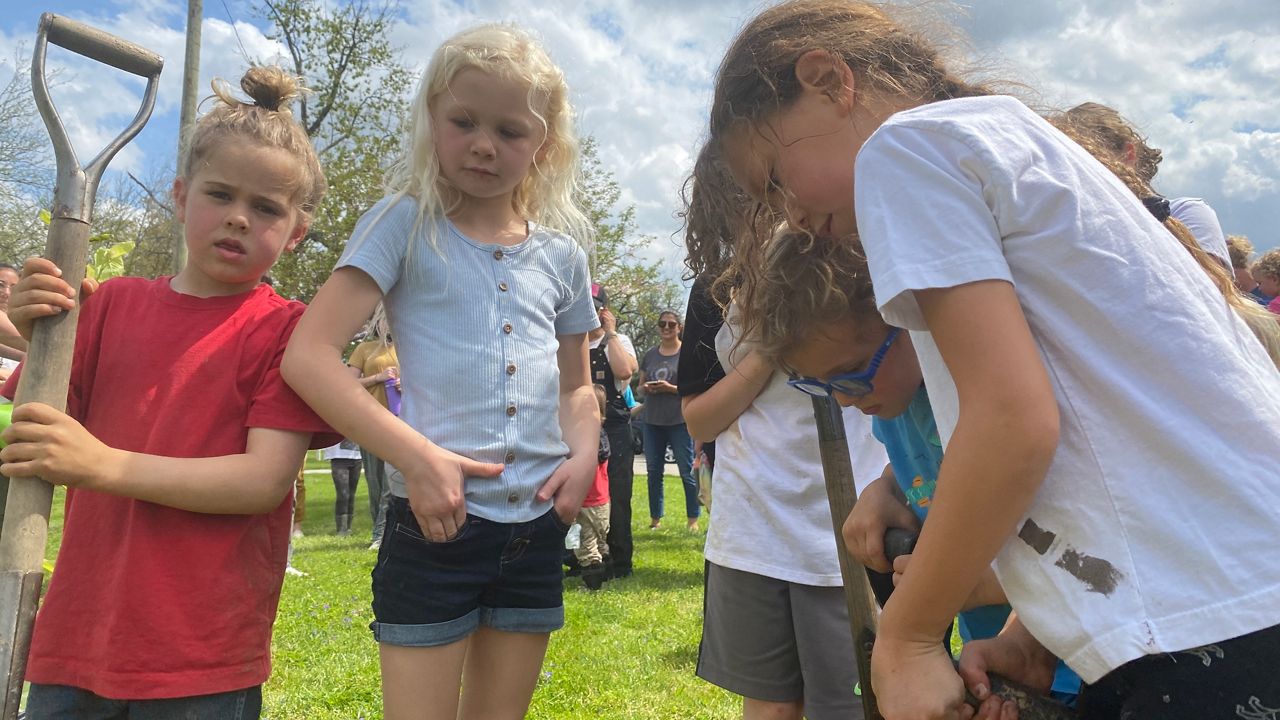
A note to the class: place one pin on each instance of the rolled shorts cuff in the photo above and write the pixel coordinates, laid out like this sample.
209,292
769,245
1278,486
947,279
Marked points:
427,635
523,620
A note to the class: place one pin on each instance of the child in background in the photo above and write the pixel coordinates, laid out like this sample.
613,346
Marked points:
479,257
1266,271
1110,139
834,343
179,460
1241,251
1043,299
772,563
1118,137
375,363
593,547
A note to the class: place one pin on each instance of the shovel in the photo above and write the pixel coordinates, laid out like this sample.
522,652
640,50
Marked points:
837,471
46,373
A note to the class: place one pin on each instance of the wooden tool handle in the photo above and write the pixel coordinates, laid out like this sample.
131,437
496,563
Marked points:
101,46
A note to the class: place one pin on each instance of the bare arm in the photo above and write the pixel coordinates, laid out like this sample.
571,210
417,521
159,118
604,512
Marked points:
1001,448
579,426
313,367
621,362
1006,402
46,443
707,414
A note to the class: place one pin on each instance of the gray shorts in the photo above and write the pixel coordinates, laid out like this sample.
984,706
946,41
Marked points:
779,641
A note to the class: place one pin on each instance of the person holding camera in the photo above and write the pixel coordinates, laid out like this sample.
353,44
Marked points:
664,423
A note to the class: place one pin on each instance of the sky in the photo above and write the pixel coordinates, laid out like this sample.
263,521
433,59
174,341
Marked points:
1199,79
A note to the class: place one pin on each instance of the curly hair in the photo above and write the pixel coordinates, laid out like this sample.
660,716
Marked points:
1113,133
805,284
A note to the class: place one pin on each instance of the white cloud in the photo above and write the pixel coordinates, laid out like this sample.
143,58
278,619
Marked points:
1198,78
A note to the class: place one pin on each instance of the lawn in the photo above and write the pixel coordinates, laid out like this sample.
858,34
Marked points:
627,651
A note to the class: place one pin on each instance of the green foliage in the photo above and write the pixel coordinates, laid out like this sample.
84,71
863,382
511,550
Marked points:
106,258
638,290
344,54
107,261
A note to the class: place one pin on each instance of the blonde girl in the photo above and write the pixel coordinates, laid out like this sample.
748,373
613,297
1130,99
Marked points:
478,256
1105,412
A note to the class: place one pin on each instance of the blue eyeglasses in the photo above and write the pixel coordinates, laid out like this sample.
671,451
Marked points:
853,384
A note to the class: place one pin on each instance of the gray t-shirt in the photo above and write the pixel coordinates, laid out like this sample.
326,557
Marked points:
661,408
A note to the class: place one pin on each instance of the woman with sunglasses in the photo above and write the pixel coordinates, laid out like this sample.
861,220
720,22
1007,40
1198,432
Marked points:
664,424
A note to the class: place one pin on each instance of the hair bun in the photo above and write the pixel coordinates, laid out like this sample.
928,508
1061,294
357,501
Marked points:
270,87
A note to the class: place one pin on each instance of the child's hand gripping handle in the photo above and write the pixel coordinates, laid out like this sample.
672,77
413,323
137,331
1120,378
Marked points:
47,370
1031,704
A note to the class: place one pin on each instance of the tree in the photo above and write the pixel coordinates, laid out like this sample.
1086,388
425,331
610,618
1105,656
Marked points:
26,173
353,116
638,290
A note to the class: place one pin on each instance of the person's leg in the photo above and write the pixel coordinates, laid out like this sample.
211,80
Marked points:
341,491
828,663
62,702
500,674
235,705
763,665
655,447
753,709
421,683
372,483
299,501
682,447
384,499
621,472
426,607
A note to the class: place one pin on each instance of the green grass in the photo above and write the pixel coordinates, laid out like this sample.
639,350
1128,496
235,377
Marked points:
627,651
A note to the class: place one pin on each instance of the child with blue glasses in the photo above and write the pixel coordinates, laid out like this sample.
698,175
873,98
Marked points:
833,343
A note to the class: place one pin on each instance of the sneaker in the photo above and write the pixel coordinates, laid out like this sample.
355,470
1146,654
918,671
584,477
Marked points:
291,570
375,545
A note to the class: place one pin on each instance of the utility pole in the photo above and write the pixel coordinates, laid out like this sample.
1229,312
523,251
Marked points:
190,86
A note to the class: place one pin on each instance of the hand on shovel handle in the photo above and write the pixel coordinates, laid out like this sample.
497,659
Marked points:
1032,705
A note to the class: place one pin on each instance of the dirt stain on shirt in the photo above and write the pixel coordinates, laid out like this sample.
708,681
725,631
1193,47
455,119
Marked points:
1098,575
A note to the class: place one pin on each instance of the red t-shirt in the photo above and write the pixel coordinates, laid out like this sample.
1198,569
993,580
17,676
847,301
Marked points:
149,601
599,493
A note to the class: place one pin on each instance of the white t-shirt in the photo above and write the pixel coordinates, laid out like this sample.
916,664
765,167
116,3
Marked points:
772,516
1155,529
1203,223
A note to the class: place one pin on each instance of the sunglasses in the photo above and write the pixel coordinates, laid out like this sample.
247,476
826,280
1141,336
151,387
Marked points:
853,384
668,324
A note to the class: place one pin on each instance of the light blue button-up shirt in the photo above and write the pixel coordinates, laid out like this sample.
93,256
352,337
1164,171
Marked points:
476,329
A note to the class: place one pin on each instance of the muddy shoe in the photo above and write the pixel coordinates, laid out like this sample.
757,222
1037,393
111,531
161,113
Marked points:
593,575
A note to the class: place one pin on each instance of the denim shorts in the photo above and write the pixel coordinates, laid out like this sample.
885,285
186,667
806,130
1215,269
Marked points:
51,702
506,576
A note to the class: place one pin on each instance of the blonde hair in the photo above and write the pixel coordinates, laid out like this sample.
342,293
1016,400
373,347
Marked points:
546,195
1240,250
268,121
1268,264
1082,128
